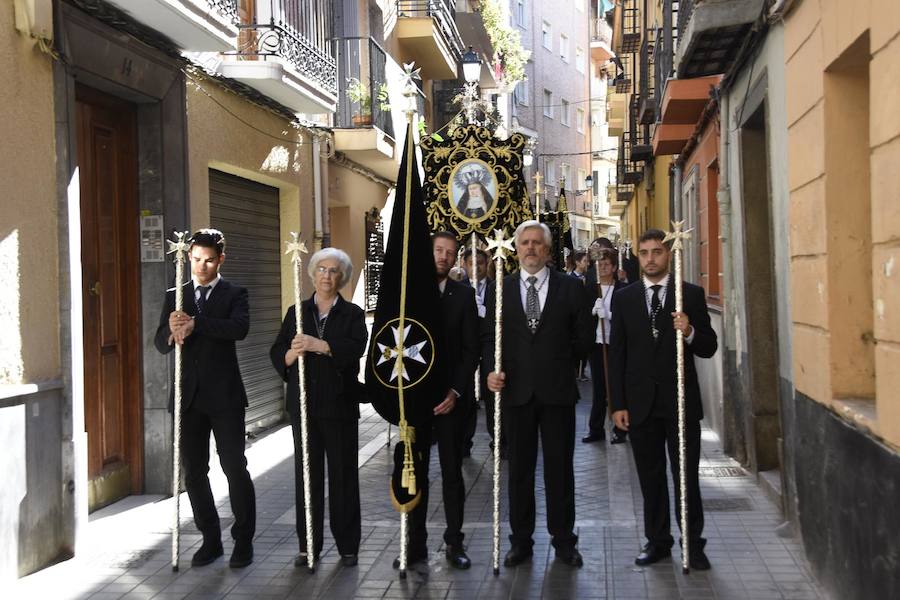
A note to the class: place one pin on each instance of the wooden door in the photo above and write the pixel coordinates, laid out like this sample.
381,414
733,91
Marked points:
107,169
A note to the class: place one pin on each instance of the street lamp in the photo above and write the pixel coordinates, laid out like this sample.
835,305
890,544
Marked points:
589,182
471,66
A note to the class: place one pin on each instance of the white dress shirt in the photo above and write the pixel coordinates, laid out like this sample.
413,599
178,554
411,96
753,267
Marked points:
648,285
542,284
211,286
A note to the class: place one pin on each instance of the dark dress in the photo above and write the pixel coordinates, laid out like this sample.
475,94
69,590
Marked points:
332,395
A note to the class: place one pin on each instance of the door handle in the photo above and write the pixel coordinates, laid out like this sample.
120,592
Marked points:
95,289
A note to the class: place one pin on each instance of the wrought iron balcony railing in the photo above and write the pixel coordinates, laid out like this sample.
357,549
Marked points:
362,85
632,27
226,8
685,9
623,79
298,32
647,110
443,12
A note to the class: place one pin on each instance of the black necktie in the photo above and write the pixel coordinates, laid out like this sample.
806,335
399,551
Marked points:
654,308
200,300
532,305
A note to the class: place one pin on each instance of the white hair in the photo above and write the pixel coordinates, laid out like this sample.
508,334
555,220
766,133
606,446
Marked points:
344,264
533,224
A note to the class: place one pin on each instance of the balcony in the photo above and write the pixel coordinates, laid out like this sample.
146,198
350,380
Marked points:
682,104
427,35
194,25
601,39
627,172
364,129
285,53
627,27
622,82
647,107
710,33
619,197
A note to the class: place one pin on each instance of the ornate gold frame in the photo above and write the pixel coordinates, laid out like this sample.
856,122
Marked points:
441,159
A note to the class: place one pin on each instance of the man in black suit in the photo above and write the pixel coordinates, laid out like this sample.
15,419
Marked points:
461,352
546,331
642,372
216,314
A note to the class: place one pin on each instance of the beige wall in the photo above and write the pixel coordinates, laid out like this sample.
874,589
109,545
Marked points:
217,139
351,195
29,305
845,210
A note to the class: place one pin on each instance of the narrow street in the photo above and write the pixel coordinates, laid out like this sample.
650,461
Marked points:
127,545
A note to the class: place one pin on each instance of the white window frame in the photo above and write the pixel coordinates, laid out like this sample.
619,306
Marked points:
548,103
564,112
520,13
690,200
565,172
524,92
564,47
547,35
579,59
579,120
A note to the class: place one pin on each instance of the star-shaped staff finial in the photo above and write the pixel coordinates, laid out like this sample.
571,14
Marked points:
677,235
296,248
179,246
500,244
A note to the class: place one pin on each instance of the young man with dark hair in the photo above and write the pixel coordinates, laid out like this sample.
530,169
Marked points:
642,373
216,315
461,356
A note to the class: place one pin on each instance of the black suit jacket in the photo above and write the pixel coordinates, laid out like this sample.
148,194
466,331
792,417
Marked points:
541,365
461,343
642,369
333,390
211,377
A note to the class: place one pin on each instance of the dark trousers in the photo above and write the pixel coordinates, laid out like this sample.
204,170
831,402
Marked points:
228,427
649,442
450,432
557,429
471,425
598,407
338,439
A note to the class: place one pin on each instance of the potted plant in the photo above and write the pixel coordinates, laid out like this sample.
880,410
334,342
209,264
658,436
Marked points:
358,93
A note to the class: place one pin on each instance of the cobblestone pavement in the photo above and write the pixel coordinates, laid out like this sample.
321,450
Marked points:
126,552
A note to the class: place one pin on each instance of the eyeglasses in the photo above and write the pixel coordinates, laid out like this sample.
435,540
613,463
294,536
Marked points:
329,270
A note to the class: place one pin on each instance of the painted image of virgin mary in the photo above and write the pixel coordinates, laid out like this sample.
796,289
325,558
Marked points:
476,199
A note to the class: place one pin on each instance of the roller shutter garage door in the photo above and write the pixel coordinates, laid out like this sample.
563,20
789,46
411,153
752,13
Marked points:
247,213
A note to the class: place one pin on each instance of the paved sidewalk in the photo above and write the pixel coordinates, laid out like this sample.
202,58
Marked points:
127,545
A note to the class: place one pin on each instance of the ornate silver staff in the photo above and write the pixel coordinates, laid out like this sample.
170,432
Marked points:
676,236
179,247
296,248
500,244
537,195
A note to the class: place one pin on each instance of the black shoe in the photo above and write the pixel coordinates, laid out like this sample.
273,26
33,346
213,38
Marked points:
698,560
457,558
651,554
209,551
593,437
516,556
618,438
411,559
242,555
570,556
302,560
349,560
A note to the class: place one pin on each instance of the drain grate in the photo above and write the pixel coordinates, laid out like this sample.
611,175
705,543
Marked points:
134,560
727,504
722,472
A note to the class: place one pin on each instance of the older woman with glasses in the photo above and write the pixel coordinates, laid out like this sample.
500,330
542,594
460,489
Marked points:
333,340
